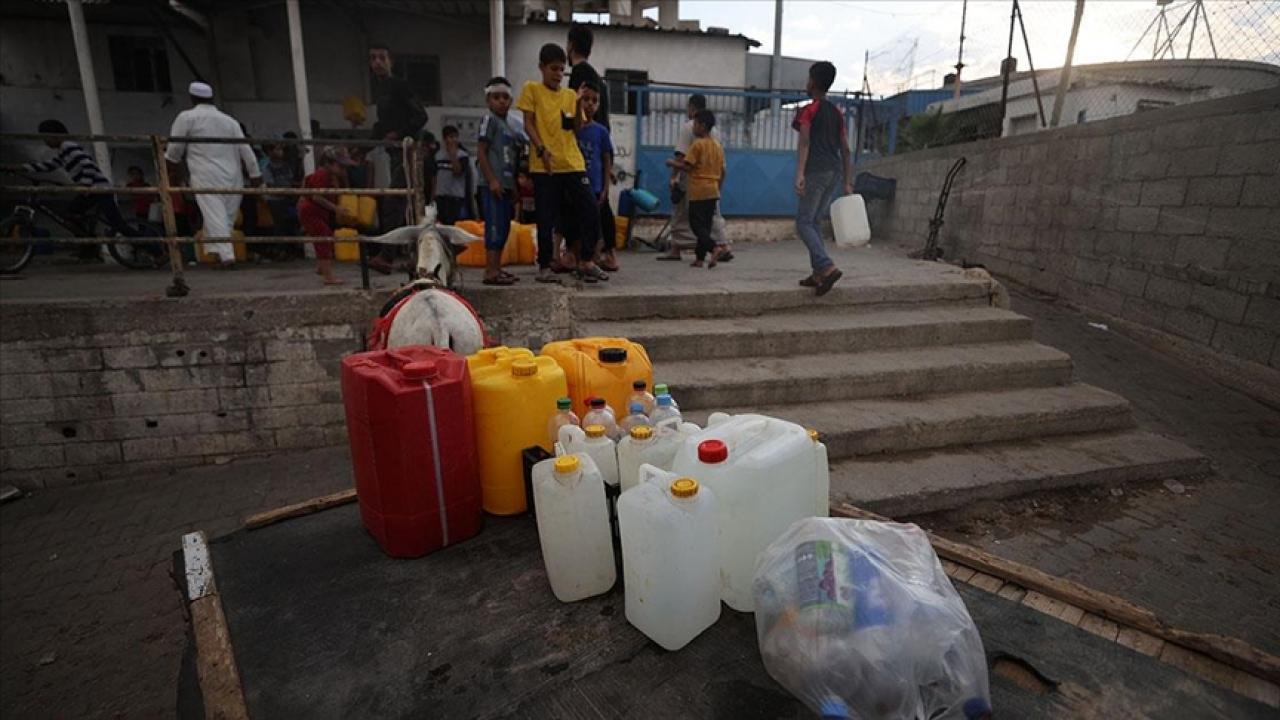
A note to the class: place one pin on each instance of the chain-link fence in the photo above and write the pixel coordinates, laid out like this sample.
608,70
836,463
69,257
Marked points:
1128,57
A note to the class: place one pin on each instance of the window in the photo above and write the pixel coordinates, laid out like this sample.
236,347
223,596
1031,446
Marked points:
621,101
422,72
1080,116
139,63
1145,105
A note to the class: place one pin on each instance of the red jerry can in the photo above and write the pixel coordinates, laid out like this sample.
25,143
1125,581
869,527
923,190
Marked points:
413,448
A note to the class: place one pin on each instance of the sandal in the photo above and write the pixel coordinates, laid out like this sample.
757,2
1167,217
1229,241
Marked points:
595,273
500,280
508,276
611,267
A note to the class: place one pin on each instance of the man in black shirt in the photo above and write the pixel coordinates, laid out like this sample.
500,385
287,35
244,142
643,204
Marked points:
400,115
579,49
822,171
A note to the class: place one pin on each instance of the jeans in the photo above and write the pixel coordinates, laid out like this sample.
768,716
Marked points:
497,210
567,197
702,214
450,209
820,190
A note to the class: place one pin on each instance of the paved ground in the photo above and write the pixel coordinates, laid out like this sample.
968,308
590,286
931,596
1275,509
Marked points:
1202,554
91,624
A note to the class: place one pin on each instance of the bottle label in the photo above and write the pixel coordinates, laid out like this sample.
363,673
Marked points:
831,577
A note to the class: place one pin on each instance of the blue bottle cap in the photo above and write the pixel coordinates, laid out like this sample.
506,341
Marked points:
637,408
833,708
665,400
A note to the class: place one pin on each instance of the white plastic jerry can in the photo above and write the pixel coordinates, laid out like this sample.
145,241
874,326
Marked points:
655,446
669,559
761,470
594,441
573,527
849,221
822,476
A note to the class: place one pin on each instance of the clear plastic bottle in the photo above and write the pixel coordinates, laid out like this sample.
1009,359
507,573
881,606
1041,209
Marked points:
601,414
662,389
640,394
666,413
564,416
635,418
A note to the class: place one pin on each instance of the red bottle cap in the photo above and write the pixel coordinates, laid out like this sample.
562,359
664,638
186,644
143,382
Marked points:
713,451
421,370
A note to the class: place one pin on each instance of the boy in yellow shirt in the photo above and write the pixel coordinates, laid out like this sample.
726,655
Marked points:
706,167
552,116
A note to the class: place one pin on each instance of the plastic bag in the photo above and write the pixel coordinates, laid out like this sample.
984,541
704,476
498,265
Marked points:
858,620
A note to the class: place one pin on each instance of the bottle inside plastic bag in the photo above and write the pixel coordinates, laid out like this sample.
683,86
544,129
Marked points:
857,619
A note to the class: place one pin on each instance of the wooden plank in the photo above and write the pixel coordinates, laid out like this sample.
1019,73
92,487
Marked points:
1232,651
1140,641
195,558
983,581
1256,688
306,507
215,662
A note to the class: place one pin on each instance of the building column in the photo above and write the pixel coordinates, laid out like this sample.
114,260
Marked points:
497,38
301,97
668,14
89,83
775,63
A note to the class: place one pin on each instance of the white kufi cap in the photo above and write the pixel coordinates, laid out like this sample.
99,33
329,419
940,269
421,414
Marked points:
200,90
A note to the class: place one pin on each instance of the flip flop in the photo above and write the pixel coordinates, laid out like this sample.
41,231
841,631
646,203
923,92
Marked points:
500,280
508,276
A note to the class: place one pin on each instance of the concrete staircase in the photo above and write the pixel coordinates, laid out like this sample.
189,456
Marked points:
927,397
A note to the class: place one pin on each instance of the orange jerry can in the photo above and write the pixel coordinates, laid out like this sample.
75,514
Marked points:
346,251
601,367
473,254
514,395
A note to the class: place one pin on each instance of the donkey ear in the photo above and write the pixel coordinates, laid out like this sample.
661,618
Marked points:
456,236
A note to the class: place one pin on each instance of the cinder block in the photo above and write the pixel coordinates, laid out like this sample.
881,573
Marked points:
1093,272
165,402
255,375
298,394
27,409
1195,162
1163,192
1261,158
162,448
1129,281
1191,325
191,354
1202,251
295,371
69,359
21,434
129,357
276,417
1250,254
277,350
1143,311
246,442
34,456
222,421
239,398
1263,313
1137,219
18,358
1244,342
81,408
120,381
1152,247
294,438
1180,135
92,453
1182,220
1218,303
1217,191
14,387
1148,166
1122,194
1167,291
1261,190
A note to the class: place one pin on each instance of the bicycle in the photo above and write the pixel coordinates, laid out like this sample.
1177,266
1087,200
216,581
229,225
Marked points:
27,217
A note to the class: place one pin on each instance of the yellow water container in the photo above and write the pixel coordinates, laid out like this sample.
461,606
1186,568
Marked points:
601,367
524,238
238,247
519,249
346,251
514,396
620,232
265,218
348,209
368,214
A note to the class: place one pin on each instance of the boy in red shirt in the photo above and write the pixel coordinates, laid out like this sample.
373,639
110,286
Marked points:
316,211
822,171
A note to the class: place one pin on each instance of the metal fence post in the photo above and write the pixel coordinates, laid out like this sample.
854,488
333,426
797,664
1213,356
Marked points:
179,287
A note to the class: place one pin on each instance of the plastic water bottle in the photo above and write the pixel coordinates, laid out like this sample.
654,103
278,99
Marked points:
636,418
662,389
640,394
564,416
601,414
666,413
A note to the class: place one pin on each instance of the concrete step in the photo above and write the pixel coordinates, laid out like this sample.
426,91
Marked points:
906,484
879,425
732,301
816,331
715,383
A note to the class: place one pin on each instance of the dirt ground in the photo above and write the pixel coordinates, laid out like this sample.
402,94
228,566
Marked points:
1201,553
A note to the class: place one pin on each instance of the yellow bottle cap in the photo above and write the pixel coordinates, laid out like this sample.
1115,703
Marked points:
641,432
594,431
566,464
684,487
813,435
523,368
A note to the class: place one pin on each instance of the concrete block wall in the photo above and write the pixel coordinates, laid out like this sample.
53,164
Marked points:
1169,219
102,390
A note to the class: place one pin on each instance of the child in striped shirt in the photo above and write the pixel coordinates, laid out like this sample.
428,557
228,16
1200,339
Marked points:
83,170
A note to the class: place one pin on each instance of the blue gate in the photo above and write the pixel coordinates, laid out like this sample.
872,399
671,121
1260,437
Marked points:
755,130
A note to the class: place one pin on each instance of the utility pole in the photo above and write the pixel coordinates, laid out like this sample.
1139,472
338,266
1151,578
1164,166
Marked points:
964,14
1064,77
775,63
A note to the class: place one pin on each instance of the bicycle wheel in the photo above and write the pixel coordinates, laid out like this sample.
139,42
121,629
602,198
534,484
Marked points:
14,257
141,256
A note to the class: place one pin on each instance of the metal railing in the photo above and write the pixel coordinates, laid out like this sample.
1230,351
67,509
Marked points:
412,162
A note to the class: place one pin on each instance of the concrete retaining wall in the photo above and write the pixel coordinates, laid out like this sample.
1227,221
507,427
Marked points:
92,391
1168,219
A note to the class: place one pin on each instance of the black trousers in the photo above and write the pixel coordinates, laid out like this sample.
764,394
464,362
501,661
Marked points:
702,214
565,199
450,209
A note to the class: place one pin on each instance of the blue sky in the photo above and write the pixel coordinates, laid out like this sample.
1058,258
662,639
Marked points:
841,30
